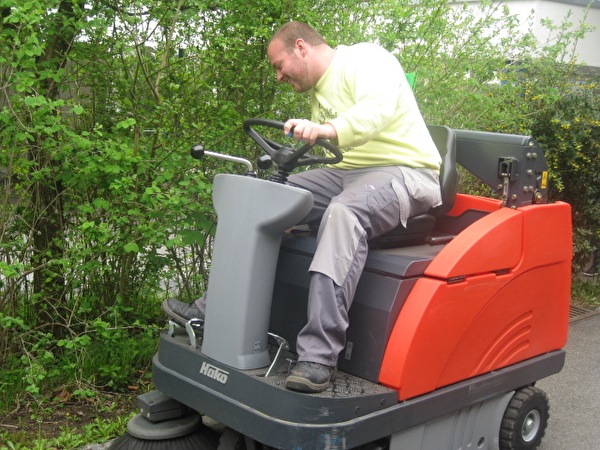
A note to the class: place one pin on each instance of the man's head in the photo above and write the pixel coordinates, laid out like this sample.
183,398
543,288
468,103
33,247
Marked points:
299,55
291,31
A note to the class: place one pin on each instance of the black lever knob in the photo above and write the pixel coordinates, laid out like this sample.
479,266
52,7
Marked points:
264,162
197,151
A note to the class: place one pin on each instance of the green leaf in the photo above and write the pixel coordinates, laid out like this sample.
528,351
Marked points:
36,100
101,203
132,247
127,123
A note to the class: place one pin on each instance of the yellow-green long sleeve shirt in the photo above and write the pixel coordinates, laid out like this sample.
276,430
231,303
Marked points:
364,94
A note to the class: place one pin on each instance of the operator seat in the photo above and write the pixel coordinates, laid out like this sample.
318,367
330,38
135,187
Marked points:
420,227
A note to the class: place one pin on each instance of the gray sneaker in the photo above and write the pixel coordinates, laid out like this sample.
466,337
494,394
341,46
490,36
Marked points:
310,377
181,312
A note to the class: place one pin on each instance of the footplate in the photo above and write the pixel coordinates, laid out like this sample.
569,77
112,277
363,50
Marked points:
350,413
263,389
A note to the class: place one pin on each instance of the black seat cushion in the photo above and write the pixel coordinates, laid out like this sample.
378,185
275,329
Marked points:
418,230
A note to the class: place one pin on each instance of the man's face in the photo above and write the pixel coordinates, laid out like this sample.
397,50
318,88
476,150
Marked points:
291,67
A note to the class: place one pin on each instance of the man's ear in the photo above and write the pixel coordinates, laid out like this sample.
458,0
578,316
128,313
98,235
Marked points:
300,45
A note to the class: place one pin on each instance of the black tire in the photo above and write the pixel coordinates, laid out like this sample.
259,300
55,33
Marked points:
525,420
232,440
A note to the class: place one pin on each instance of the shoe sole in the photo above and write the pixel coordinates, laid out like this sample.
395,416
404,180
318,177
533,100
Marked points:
301,384
172,314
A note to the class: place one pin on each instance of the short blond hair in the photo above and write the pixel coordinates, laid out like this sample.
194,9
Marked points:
292,31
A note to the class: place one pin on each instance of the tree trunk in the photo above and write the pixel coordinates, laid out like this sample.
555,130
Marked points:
46,198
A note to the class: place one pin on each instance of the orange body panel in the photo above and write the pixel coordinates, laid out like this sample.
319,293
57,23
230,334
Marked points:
497,294
465,202
493,243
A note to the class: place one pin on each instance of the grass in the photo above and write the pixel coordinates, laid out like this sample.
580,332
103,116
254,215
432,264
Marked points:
66,425
98,431
585,291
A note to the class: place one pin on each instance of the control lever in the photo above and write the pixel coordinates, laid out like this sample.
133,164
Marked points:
198,152
283,348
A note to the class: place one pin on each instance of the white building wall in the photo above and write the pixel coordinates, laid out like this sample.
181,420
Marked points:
588,49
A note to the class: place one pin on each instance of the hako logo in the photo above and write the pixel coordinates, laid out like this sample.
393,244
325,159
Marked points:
214,372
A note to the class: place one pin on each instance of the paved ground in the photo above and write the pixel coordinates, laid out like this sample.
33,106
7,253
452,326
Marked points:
574,393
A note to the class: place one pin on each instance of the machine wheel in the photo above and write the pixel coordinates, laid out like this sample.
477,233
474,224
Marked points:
232,440
525,419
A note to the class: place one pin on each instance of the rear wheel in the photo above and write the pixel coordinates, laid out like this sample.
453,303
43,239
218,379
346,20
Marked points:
525,420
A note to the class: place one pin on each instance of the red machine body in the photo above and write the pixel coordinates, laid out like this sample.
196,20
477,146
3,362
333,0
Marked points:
492,281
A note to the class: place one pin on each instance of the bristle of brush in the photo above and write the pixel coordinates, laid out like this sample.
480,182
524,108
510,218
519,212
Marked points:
202,439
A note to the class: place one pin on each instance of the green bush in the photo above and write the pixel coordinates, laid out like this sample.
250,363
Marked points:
570,132
103,354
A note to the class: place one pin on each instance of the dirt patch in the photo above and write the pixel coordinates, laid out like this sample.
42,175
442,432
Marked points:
31,421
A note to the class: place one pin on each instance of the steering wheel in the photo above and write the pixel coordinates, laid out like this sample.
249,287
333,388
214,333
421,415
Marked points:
285,156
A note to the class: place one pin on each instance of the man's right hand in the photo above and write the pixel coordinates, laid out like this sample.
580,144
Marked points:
306,131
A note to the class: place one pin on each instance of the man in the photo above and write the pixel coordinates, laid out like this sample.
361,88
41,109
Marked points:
362,102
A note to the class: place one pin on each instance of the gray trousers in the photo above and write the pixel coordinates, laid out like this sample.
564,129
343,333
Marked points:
350,207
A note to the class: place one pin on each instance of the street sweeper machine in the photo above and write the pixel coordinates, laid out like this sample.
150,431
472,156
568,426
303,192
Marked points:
455,318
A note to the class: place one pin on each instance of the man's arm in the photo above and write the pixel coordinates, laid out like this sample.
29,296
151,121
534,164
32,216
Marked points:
374,87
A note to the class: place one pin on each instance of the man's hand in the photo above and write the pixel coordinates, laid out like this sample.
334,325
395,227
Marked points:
307,131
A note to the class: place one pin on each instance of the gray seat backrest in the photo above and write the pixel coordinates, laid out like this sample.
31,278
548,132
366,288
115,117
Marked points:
445,141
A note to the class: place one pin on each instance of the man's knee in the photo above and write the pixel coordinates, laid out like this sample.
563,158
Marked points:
339,238
377,210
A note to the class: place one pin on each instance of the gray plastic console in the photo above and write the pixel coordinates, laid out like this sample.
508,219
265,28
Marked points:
243,265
